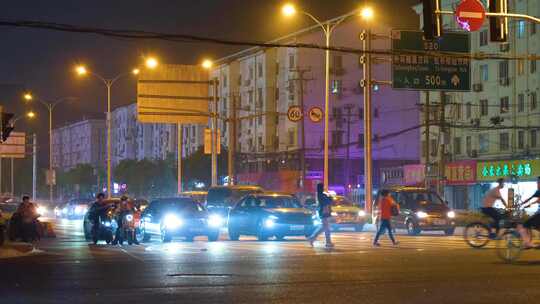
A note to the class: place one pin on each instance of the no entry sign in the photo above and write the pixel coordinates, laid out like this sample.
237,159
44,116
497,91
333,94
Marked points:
470,14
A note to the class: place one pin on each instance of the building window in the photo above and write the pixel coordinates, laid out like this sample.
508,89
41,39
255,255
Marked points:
520,66
250,97
505,105
483,37
337,138
260,97
376,113
291,87
459,110
521,28
277,93
503,69
521,102
360,140
533,66
504,141
533,28
361,113
521,139
534,138
483,143
468,110
336,86
457,145
224,81
468,145
484,109
250,73
534,101
260,69
484,72
291,137
291,61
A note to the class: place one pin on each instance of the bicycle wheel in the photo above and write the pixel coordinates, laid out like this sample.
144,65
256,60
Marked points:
509,246
476,234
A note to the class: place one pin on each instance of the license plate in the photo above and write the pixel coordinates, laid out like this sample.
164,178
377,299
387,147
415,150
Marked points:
297,227
439,222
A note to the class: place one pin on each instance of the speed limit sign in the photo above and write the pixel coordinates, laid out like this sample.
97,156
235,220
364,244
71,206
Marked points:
294,113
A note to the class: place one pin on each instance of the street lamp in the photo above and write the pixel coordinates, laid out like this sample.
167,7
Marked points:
50,105
29,115
207,65
81,70
328,27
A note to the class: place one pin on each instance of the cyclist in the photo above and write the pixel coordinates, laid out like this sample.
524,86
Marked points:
490,198
533,221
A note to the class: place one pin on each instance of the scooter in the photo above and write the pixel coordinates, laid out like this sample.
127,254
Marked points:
104,228
130,224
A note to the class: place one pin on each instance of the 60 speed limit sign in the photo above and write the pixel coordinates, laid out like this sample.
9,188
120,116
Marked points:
294,113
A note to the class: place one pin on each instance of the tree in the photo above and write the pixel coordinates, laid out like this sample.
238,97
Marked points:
197,167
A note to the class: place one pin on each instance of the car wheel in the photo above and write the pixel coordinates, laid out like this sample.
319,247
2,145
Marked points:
213,236
261,234
359,228
233,234
411,229
450,231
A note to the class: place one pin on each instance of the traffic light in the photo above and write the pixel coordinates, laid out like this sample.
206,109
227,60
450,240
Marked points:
5,126
432,21
498,26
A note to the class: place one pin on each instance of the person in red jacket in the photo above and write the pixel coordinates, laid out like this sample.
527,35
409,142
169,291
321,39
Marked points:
385,203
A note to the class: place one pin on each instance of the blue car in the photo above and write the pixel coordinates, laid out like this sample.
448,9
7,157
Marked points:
270,214
179,217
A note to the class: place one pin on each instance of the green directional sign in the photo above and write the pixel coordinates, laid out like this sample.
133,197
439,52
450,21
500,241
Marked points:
431,72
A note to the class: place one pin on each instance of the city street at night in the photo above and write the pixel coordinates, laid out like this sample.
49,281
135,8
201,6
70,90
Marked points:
421,269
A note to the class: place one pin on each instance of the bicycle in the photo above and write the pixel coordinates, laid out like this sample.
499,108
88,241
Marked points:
478,234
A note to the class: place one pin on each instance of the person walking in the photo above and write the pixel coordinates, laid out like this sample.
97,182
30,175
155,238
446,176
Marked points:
385,205
325,212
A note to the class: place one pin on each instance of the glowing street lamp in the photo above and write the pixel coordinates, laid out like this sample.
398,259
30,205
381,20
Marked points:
150,63
30,114
207,64
288,10
367,13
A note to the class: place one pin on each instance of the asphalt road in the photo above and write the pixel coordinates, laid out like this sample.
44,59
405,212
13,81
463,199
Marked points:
423,269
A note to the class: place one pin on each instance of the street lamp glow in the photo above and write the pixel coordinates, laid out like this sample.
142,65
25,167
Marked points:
288,10
367,13
28,96
81,70
151,63
136,71
31,114
207,64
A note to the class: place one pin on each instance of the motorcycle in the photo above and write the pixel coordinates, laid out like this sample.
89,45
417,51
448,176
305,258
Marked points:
104,228
130,224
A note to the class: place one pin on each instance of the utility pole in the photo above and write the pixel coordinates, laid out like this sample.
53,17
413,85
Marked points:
300,72
34,166
367,82
442,130
427,112
180,136
232,141
214,132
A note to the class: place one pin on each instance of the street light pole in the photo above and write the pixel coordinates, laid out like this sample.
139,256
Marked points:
214,139
368,169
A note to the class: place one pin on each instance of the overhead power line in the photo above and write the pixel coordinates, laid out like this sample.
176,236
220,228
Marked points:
185,38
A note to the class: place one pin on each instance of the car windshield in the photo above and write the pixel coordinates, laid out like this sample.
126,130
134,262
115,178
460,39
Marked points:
273,202
182,205
342,201
419,199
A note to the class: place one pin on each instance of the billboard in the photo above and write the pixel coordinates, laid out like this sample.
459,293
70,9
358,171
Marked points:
14,146
173,93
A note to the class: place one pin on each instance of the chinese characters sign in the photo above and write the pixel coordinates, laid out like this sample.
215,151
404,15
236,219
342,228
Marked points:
414,174
522,169
436,72
461,173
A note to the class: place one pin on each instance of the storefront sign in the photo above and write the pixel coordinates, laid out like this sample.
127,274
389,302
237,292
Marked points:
521,169
461,172
414,174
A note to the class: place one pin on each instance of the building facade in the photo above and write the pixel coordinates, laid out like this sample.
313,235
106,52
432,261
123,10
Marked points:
259,85
499,120
83,142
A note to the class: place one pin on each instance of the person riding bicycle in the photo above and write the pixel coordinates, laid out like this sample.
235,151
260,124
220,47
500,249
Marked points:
490,198
533,221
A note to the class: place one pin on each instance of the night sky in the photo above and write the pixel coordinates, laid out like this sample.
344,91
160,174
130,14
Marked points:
42,61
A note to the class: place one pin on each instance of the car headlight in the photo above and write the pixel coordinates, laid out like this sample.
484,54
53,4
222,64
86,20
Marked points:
80,210
106,223
361,213
171,221
129,217
421,214
41,210
451,214
64,210
333,213
215,220
270,221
